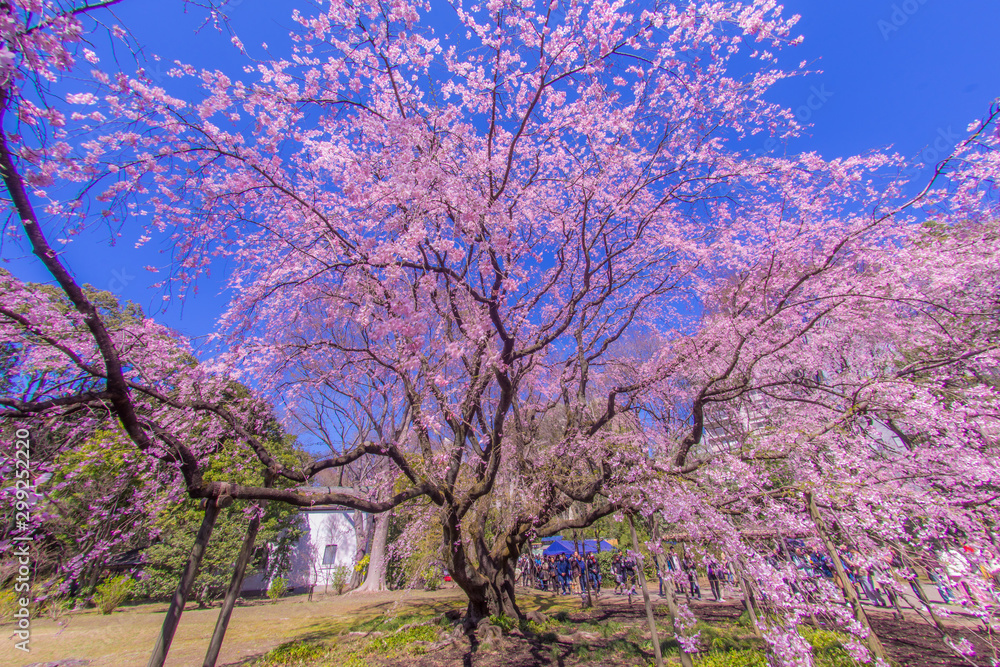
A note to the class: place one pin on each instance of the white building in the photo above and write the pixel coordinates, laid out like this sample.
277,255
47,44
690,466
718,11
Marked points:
328,541
729,427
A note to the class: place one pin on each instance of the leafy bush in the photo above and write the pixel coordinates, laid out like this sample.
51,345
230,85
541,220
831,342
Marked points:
822,640
604,559
390,643
293,654
277,588
828,647
432,578
341,575
112,592
504,622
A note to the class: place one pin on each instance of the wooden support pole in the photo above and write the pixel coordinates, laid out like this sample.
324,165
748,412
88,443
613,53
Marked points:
180,597
235,584
645,596
748,596
874,645
671,593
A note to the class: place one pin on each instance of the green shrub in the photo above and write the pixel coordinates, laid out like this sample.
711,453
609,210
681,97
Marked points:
828,647
822,640
341,575
745,658
277,588
432,578
112,592
504,622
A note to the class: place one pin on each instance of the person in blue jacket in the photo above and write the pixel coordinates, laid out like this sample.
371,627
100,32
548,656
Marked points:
563,574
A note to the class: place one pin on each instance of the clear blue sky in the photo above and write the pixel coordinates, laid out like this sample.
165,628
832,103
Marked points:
910,75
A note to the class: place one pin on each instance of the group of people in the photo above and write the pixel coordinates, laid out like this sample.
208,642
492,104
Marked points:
719,573
570,574
563,574
878,582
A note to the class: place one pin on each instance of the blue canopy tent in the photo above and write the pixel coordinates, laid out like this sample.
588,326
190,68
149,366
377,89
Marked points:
568,547
592,546
559,547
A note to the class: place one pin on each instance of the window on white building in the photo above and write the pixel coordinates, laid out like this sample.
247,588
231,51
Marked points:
330,555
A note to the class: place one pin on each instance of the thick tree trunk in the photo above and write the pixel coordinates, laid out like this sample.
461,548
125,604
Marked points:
375,581
235,584
650,619
492,594
488,582
173,616
852,597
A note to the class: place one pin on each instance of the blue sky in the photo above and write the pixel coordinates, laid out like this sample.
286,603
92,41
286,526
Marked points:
910,74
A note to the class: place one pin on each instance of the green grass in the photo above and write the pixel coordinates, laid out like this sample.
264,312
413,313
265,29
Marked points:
402,639
387,622
741,658
294,654
400,642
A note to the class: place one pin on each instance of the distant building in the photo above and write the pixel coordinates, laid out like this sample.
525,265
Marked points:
729,427
328,541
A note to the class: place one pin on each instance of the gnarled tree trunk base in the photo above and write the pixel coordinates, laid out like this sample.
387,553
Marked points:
494,598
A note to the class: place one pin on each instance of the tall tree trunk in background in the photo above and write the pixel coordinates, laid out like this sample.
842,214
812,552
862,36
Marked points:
375,581
173,616
650,619
235,584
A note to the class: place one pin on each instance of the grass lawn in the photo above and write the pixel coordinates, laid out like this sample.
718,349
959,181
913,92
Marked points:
408,629
126,637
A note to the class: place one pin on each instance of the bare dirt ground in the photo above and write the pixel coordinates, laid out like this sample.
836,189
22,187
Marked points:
126,637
